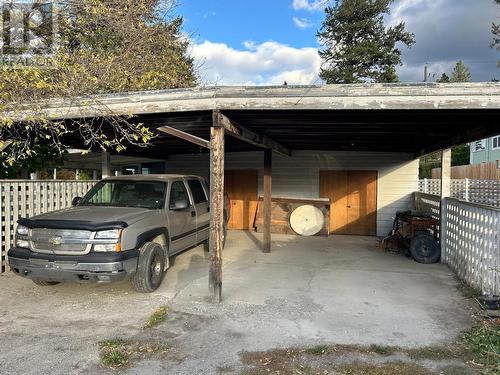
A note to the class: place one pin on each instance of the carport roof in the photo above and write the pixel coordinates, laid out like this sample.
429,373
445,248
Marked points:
413,118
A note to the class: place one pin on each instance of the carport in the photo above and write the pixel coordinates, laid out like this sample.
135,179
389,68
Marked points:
413,119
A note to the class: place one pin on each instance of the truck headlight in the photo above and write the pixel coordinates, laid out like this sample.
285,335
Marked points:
22,243
22,234
22,230
109,247
112,245
111,234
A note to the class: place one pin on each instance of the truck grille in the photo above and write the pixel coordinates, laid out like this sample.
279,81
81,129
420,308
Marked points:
60,241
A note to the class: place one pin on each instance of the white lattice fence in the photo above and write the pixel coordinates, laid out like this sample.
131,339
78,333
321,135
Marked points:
471,244
428,203
26,198
476,191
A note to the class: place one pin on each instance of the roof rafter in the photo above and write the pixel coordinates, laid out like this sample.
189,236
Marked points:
247,135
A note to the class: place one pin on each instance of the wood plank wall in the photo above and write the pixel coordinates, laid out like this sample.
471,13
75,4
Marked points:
483,171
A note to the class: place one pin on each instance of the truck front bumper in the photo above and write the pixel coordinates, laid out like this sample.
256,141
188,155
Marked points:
101,267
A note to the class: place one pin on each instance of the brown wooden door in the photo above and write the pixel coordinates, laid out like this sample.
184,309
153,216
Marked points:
353,196
241,186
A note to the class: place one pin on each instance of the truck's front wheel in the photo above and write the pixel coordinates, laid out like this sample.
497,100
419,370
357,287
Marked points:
150,268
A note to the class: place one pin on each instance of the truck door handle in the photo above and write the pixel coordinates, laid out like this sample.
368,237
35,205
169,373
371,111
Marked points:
208,209
193,213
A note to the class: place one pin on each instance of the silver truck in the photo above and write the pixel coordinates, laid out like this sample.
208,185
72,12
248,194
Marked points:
126,226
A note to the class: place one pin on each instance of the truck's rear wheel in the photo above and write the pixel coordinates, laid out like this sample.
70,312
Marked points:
45,283
150,268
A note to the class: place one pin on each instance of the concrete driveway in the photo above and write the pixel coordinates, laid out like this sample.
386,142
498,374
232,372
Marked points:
308,291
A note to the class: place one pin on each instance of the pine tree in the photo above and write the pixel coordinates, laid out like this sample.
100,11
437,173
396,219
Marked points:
461,73
495,30
357,45
444,79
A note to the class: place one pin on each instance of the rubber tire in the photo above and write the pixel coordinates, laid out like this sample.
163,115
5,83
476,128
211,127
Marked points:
206,245
425,249
141,280
45,283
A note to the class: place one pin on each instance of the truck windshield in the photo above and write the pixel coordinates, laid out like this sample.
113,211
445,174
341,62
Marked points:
140,194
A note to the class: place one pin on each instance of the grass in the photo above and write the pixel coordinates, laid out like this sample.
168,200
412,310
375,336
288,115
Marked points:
484,343
382,349
391,368
317,350
157,317
117,353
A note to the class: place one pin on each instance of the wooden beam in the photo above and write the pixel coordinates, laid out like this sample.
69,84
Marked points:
268,168
445,193
185,136
247,135
216,211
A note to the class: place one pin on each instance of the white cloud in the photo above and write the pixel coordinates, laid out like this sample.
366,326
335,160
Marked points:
302,23
309,5
268,63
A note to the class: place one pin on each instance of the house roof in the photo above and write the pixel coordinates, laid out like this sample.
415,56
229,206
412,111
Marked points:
416,118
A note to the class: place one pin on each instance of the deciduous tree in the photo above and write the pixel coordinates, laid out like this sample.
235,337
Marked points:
105,46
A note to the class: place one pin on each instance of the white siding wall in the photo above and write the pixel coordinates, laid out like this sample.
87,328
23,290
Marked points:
298,176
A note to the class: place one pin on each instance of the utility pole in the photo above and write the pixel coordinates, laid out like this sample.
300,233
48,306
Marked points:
425,73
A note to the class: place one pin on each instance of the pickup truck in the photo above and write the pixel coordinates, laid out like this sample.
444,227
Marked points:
125,226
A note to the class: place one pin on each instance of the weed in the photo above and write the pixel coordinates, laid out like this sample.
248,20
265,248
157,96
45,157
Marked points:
114,353
117,353
157,317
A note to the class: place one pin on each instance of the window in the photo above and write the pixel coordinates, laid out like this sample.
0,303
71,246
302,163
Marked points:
140,194
496,142
480,145
199,195
178,193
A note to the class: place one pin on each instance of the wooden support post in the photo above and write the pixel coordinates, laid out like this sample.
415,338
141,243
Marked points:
216,210
268,168
445,193
106,164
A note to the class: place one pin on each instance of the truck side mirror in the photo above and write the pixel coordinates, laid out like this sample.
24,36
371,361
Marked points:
76,201
179,205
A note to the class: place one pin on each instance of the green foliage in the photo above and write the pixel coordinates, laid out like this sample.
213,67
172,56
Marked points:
41,156
357,45
460,73
460,155
444,79
105,46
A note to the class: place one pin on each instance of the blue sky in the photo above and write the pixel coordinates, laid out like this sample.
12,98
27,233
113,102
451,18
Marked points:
237,21
262,42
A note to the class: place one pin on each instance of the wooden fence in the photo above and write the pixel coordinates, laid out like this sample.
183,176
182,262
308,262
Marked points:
26,198
483,171
485,192
470,245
